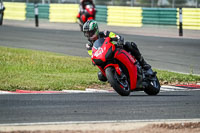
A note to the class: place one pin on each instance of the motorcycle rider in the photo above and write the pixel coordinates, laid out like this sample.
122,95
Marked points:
84,15
91,31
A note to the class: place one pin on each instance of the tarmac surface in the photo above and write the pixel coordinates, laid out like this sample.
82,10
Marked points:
150,30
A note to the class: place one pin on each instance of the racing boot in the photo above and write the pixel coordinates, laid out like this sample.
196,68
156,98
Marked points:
143,63
146,67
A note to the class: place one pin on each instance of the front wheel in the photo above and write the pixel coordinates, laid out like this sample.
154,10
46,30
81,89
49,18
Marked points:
119,82
154,86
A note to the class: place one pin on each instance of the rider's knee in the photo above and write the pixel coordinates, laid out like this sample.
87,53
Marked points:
130,44
133,45
127,46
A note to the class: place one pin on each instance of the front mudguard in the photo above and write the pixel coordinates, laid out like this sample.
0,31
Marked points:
116,66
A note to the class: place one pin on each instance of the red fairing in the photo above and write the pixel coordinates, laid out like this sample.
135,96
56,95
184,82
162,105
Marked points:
83,18
90,9
99,55
90,18
101,52
128,61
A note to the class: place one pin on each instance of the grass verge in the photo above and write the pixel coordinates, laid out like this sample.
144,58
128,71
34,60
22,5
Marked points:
36,70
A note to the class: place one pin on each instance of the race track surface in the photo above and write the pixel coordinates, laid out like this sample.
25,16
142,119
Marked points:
52,108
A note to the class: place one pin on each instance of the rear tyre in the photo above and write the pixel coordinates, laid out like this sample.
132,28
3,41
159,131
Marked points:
153,87
119,82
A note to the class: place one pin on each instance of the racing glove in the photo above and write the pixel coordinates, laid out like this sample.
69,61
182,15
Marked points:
89,46
120,40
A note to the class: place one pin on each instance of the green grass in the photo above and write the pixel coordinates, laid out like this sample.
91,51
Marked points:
167,77
36,70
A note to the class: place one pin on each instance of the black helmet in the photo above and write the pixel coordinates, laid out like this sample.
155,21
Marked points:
90,29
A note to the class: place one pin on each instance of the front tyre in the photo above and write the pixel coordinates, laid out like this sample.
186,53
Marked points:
119,82
153,87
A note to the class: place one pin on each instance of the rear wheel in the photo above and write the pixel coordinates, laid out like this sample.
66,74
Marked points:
153,87
118,82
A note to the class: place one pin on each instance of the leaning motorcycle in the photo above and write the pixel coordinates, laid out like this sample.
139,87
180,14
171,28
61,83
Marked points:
122,70
88,13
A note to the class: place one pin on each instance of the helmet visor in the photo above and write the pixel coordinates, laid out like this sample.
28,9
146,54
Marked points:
89,33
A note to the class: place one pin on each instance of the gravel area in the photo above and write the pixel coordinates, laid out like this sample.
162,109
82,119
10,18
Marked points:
140,127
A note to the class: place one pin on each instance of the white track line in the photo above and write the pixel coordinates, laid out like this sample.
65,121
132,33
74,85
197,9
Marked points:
174,88
90,90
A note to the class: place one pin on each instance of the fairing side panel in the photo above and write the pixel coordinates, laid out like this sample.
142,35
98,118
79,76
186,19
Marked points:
128,61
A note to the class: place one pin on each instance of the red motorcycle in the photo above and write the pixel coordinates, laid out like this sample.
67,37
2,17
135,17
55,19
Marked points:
87,14
122,70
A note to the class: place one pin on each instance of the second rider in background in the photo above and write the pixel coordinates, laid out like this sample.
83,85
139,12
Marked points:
87,11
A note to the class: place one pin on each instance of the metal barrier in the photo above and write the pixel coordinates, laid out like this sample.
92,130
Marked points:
63,12
101,15
159,16
113,15
124,16
191,18
43,11
16,11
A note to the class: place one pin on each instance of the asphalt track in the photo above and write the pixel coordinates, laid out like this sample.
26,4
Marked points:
83,107
174,54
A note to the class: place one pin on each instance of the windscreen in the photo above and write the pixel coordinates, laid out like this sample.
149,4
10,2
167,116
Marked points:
98,43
